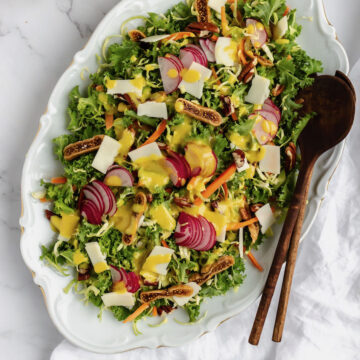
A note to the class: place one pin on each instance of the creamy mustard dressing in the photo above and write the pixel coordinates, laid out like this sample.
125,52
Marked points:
190,75
163,217
79,257
66,225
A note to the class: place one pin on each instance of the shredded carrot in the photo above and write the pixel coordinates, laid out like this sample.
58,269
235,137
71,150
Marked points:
154,311
241,51
286,11
226,191
230,1
289,57
179,36
109,121
44,200
58,180
234,117
223,178
191,183
254,261
214,38
136,313
164,244
239,225
215,76
159,130
99,88
224,22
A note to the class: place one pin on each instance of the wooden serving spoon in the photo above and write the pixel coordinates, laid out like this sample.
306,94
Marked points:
333,100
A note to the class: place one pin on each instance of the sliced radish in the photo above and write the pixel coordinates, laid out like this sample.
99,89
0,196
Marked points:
92,194
259,35
122,176
170,83
107,193
175,171
176,60
90,212
130,279
199,53
192,53
270,106
259,129
209,234
210,54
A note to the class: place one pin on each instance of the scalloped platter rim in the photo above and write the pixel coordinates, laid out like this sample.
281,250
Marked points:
79,323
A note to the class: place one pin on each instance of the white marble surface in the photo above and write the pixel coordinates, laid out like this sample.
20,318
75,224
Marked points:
37,41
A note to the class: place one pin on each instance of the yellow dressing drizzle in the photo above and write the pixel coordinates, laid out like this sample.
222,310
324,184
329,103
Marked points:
113,181
79,257
162,216
190,76
100,267
119,287
172,73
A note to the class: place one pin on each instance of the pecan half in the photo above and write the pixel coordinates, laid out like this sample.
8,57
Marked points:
239,158
165,308
176,290
229,107
290,160
254,229
264,62
214,205
182,202
82,277
217,267
203,10
255,207
136,35
198,112
202,29
248,72
79,148
277,90
49,214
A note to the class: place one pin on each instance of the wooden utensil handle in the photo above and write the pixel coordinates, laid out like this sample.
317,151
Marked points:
289,270
281,250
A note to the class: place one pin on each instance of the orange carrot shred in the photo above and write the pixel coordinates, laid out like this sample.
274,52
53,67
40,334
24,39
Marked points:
99,88
109,121
215,76
179,36
214,38
224,22
239,225
254,261
164,244
223,178
44,200
136,313
241,52
58,180
286,11
159,130
234,117
154,311
226,191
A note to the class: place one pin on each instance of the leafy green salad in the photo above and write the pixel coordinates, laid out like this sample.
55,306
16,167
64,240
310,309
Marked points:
179,158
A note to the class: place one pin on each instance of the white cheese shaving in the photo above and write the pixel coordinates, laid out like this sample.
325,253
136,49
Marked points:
266,217
271,161
259,90
145,151
117,299
153,109
155,38
125,87
216,4
94,252
106,154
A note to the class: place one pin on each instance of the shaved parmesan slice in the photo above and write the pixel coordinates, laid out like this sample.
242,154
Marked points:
259,90
155,38
158,260
244,167
106,154
145,151
266,217
217,4
125,87
153,109
271,161
281,28
241,242
226,51
196,88
94,252
221,238
182,300
268,52
116,299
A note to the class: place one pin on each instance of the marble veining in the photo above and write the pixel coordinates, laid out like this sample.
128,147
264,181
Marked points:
37,42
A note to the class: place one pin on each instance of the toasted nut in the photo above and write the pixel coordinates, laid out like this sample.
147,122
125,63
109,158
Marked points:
198,112
83,277
176,290
214,205
255,207
49,214
78,148
182,202
141,200
290,153
203,11
202,29
229,107
277,90
264,62
248,71
299,101
149,198
136,35
254,229
217,267
239,158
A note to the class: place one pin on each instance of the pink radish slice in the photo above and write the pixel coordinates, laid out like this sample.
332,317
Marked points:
90,212
133,283
209,235
211,45
176,65
200,53
259,37
107,194
187,58
175,59
103,195
123,174
116,274
181,159
262,136
209,54
176,170
170,84
92,194
270,106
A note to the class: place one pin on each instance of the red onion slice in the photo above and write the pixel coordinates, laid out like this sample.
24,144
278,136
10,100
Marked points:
259,37
170,84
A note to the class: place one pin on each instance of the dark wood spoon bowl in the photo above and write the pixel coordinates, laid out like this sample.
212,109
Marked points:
333,99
